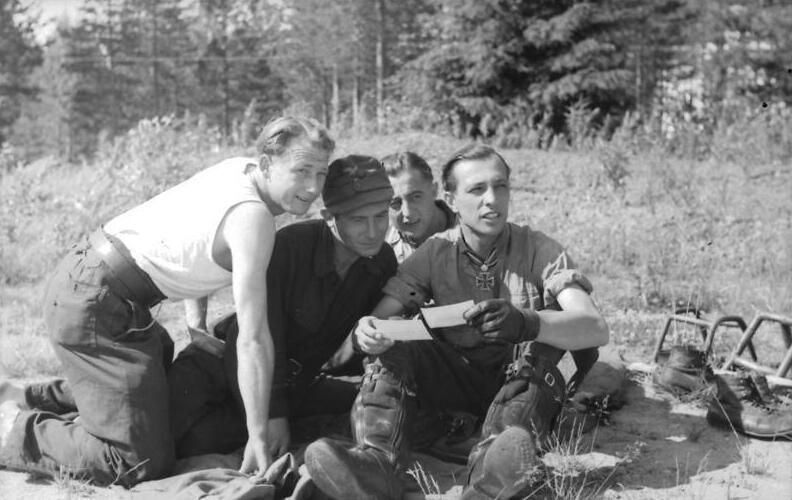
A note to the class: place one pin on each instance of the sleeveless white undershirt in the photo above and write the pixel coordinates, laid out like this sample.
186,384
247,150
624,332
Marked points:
171,235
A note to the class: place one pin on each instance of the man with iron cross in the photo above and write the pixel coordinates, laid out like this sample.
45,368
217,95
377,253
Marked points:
531,305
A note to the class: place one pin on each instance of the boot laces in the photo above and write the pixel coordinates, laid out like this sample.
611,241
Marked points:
763,397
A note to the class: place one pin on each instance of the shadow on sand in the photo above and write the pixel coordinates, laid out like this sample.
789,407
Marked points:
671,440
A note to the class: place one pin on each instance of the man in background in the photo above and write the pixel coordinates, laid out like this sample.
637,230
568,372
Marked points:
415,211
531,305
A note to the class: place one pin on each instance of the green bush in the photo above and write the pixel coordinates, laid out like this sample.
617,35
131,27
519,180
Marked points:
653,229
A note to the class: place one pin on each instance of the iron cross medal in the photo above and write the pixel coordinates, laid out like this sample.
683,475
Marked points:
485,280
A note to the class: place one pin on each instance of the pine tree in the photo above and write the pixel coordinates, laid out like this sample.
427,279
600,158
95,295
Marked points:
744,50
103,54
541,55
653,36
316,56
43,127
19,56
236,42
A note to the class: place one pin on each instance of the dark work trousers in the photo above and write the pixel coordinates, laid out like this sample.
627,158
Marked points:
55,396
444,377
206,405
111,352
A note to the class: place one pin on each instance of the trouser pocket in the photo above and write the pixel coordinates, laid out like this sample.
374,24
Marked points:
78,304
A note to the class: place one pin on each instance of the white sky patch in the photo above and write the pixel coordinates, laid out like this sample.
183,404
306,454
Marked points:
51,10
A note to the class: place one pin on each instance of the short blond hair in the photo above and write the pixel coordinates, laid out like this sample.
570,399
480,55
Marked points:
277,135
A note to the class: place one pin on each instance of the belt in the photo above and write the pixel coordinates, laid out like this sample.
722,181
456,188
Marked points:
126,278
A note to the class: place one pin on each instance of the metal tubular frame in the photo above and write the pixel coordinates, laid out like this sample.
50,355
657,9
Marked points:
783,369
706,327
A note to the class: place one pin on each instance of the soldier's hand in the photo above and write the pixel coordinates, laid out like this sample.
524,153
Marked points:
369,339
499,319
256,459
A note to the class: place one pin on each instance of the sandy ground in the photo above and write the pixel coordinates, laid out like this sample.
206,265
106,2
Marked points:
653,447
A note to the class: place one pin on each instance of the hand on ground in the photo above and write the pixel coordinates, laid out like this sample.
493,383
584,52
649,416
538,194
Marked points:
256,459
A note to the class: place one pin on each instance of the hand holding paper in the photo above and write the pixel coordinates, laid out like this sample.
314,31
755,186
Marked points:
415,329
369,338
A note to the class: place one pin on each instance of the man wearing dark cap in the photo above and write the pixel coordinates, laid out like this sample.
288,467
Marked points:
324,275
498,361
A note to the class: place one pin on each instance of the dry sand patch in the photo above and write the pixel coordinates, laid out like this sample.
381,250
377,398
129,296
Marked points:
654,447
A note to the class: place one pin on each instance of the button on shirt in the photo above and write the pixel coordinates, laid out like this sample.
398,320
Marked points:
311,309
531,271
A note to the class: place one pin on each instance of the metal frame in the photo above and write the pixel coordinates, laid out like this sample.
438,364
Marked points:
706,327
735,358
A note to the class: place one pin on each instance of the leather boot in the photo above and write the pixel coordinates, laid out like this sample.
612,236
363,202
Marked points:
503,466
745,404
369,470
685,371
518,425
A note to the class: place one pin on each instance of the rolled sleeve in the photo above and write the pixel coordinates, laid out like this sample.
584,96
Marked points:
406,291
559,274
561,280
411,285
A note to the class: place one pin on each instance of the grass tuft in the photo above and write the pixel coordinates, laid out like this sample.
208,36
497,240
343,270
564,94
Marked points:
71,486
755,460
426,482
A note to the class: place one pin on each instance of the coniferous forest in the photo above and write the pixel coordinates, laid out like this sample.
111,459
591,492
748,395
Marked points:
520,72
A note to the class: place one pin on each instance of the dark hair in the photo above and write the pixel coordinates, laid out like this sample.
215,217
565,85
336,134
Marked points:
397,163
277,135
470,152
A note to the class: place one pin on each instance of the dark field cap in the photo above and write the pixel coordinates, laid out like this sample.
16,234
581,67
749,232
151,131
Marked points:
355,181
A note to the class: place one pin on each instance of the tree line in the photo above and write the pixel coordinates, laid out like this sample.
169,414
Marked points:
474,67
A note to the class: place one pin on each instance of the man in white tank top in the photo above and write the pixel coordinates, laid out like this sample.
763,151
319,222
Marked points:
181,244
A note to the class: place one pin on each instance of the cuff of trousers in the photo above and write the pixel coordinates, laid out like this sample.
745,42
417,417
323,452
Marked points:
18,456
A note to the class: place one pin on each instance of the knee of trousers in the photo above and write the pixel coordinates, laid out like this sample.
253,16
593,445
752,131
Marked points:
397,362
532,398
380,388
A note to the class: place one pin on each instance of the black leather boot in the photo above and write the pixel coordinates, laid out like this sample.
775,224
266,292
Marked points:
369,470
518,425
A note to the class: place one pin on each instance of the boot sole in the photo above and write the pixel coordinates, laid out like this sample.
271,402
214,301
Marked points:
718,420
330,475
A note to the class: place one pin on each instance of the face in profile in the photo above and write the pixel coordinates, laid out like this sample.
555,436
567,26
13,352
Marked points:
297,176
412,206
363,229
481,196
